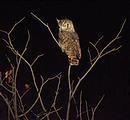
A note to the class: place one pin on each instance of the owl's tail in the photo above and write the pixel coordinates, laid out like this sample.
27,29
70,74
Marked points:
73,61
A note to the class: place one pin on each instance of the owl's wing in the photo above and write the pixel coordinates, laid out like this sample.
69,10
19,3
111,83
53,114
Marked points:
77,45
62,40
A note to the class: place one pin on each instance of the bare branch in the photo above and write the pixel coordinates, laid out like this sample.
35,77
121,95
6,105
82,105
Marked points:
70,96
6,101
94,109
57,113
69,82
77,85
75,106
21,103
46,25
57,91
25,92
112,50
56,76
36,59
7,89
5,41
10,62
38,97
90,57
49,113
94,47
99,103
117,37
80,107
27,40
99,40
15,25
21,57
87,110
98,57
30,108
4,31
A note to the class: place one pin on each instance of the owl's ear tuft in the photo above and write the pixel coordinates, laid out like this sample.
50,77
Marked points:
57,20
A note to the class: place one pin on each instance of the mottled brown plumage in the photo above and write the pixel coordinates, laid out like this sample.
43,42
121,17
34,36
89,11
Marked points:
69,41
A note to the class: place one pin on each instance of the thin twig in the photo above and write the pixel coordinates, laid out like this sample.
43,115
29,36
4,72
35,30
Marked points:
30,108
80,107
57,91
7,89
27,39
90,57
7,105
36,59
9,85
77,112
95,108
15,25
94,47
49,113
25,92
117,37
99,103
4,31
57,113
99,40
6,41
21,105
10,62
10,42
54,102
112,50
87,110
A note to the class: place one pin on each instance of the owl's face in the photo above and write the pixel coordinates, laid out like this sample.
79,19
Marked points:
66,25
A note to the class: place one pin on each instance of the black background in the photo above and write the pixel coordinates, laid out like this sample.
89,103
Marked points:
92,19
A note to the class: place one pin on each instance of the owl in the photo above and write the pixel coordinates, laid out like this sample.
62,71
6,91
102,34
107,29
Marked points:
69,41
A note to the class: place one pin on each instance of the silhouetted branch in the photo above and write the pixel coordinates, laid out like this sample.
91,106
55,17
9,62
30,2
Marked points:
100,56
80,107
46,25
87,110
95,108
9,107
70,91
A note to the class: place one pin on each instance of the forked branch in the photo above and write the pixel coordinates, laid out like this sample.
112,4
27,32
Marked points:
100,55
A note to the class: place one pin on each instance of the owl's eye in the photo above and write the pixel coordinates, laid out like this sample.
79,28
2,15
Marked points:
66,25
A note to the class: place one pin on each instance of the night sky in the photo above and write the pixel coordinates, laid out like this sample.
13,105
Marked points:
92,19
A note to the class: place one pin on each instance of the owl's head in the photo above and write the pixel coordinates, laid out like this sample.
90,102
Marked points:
65,25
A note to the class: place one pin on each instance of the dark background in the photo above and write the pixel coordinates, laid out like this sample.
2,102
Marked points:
92,19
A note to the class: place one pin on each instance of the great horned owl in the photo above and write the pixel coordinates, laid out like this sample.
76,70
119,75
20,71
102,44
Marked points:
69,41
